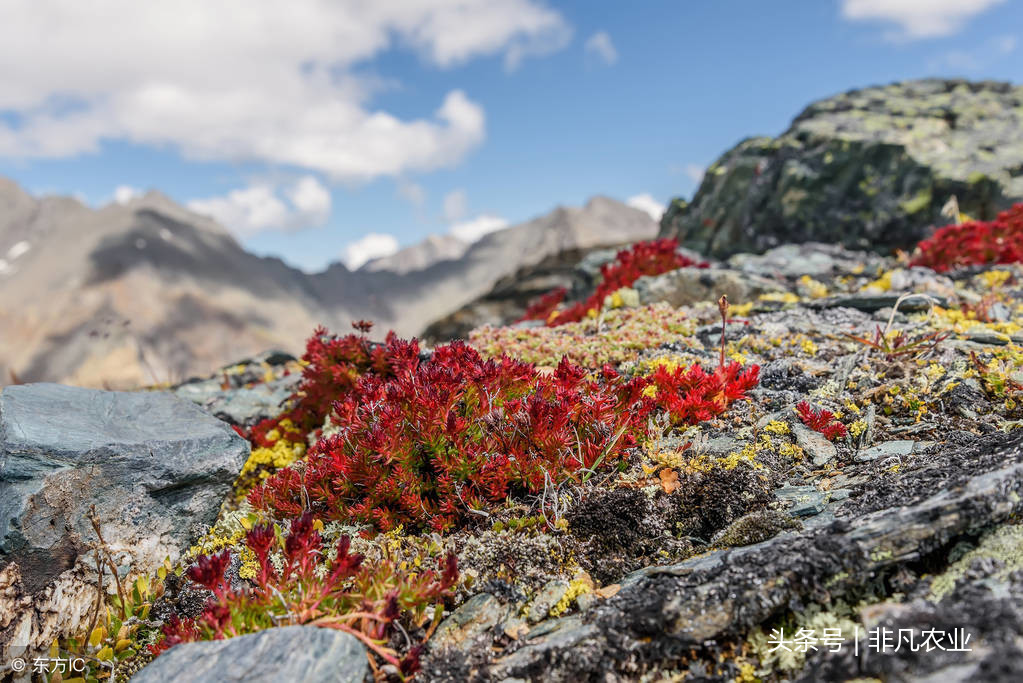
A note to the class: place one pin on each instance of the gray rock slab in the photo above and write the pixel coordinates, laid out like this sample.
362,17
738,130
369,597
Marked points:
154,466
820,450
889,449
806,501
277,655
690,285
243,405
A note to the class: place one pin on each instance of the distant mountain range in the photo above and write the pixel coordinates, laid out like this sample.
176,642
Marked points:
149,291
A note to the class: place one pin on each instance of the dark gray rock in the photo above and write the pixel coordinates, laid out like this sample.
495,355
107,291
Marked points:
875,302
153,465
869,169
290,653
243,406
804,501
812,258
690,285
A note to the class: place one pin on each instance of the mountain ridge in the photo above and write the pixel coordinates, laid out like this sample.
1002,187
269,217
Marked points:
148,291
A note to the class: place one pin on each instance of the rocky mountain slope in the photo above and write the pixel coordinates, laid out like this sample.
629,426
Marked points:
433,249
870,169
149,292
865,487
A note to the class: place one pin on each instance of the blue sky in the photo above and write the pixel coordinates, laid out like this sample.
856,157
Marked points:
307,126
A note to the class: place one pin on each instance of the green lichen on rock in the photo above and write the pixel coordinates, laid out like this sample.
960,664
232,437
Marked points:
869,168
755,527
1003,546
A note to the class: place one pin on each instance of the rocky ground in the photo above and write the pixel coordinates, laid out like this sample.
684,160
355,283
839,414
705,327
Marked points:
773,542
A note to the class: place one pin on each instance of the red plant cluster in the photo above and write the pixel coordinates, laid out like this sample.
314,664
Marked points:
345,593
644,258
445,436
333,366
974,243
546,305
692,395
820,420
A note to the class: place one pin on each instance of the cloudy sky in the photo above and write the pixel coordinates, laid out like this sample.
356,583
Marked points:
322,130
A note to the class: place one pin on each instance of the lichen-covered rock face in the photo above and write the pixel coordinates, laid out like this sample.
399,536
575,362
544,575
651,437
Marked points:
870,169
290,653
153,466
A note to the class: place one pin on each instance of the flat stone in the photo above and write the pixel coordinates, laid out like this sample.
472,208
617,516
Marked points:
290,653
820,450
989,338
873,302
887,449
806,501
690,285
153,465
477,616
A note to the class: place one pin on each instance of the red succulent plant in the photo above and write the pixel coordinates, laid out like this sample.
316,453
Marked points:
974,243
652,257
820,420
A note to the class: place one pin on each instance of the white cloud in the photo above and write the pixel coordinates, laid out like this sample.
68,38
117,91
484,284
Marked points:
311,200
125,193
371,246
695,172
599,47
917,19
456,205
263,206
475,228
251,81
646,202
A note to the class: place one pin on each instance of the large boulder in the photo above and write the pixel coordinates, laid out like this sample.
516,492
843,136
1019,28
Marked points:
290,653
153,466
869,169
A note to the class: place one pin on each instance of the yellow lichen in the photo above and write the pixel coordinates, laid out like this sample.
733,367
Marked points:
575,588
777,427
780,297
994,278
791,450
282,454
816,289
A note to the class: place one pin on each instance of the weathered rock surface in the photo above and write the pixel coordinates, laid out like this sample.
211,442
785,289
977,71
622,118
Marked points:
870,169
689,285
685,615
811,258
289,653
239,395
153,465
